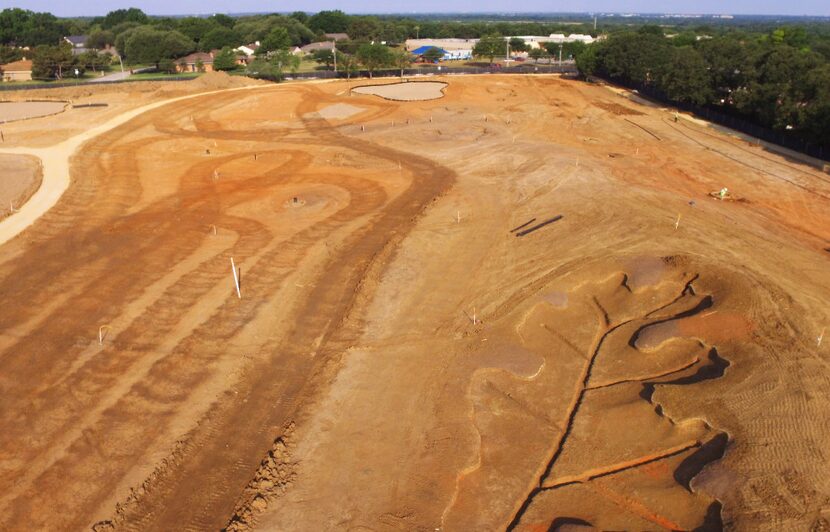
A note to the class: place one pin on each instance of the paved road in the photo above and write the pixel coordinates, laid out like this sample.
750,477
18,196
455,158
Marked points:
115,76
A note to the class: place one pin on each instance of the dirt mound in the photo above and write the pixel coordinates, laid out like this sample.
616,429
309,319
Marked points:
212,81
221,80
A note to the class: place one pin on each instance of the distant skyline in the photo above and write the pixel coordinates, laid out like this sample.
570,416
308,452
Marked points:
187,7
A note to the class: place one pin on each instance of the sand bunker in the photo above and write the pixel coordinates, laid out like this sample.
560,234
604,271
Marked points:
337,111
407,92
10,111
20,177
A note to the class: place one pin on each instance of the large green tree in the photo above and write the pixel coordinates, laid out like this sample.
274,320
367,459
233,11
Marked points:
220,37
686,77
401,59
147,45
225,59
374,56
52,62
329,22
133,14
278,39
490,46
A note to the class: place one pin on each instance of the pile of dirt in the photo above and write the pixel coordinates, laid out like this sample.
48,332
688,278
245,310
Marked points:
212,81
221,80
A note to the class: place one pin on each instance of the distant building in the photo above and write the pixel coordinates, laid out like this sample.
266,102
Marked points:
573,37
446,55
315,46
190,63
449,45
336,36
248,49
77,41
17,70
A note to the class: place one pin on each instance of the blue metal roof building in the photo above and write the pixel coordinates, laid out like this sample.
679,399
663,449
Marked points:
423,49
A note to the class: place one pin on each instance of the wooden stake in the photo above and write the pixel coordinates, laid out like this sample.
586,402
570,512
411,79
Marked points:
458,217
235,279
101,330
820,338
677,222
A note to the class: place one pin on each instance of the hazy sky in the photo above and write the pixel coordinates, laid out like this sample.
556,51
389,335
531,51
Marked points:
178,7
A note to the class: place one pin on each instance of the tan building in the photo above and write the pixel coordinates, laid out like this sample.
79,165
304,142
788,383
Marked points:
17,71
193,62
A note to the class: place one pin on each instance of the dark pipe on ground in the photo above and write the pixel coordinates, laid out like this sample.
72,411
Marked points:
523,225
539,226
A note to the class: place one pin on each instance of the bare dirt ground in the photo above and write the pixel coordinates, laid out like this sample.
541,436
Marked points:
20,177
415,347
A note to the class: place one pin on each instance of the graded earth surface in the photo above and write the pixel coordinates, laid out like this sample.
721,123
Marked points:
514,307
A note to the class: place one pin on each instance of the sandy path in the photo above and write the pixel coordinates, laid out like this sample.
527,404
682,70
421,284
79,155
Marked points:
55,163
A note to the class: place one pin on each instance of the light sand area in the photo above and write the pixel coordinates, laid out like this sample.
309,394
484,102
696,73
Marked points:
338,111
11,111
406,92
19,178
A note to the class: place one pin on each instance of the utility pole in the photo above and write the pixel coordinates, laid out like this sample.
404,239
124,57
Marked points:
560,54
595,23
507,53
334,55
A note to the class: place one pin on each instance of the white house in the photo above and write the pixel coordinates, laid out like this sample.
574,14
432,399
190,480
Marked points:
248,49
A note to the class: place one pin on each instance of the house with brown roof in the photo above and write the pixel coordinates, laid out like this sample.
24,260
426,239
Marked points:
195,62
17,70
313,47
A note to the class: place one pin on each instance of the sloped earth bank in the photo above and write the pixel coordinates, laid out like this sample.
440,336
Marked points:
399,359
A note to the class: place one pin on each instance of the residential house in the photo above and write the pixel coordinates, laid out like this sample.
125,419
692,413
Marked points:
17,70
249,49
336,37
195,62
78,43
315,46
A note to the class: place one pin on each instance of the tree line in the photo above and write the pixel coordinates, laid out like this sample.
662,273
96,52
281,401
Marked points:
779,80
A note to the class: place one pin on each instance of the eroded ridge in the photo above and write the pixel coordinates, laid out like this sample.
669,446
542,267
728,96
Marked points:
597,448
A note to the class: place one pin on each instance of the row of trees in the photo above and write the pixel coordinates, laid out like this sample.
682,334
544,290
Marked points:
370,56
56,62
774,79
21,27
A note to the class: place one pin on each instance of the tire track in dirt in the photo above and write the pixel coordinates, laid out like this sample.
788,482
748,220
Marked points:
150,214
213,467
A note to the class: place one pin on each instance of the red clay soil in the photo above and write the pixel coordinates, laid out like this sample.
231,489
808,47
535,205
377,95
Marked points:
399,360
